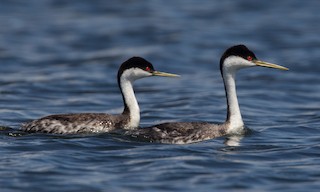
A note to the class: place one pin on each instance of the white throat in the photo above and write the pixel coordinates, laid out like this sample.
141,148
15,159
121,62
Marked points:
234,118
126,84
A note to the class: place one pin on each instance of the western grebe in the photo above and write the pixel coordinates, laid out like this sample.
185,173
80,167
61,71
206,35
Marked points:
131,70
234,58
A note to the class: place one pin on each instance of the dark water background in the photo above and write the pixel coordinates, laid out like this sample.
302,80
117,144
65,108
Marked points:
62,56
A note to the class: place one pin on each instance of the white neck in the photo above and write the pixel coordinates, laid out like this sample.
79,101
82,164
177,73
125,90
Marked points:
234,118
130,101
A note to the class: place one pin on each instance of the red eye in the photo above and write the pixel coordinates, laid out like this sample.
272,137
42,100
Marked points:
249,58
148,69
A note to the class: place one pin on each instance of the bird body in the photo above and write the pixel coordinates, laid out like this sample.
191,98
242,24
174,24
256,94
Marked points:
77,123
133,69
179,132
234,58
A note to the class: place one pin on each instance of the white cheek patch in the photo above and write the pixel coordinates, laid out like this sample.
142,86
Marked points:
236,63
134,74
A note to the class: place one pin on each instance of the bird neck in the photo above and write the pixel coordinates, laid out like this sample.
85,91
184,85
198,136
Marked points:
131,106
234,118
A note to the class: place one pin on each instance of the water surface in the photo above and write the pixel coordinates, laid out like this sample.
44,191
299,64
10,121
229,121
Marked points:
63,57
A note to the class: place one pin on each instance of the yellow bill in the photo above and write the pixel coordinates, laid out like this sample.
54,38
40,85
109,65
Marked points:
163,74
270,65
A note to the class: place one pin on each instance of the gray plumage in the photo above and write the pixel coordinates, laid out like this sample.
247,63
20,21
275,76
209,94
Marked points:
179,132
77,123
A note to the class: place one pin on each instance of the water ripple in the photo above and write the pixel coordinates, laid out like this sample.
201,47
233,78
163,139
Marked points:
63,56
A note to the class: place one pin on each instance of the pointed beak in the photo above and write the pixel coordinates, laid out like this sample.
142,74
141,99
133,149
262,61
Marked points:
163,74
270,65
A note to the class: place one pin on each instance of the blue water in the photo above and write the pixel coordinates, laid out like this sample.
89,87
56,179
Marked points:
63,56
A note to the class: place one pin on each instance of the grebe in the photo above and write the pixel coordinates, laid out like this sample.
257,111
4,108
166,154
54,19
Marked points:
234,58
131,70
